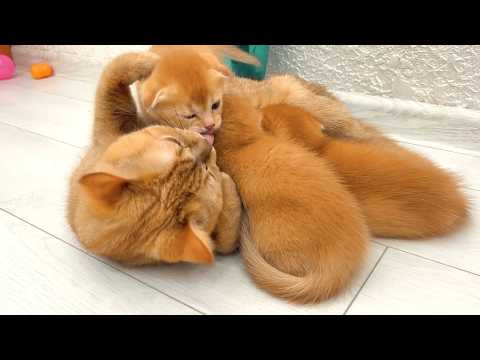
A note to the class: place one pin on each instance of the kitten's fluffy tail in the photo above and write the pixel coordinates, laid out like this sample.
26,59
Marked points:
310,289
235,53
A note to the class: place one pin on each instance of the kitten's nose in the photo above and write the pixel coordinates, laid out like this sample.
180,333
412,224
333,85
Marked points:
209,122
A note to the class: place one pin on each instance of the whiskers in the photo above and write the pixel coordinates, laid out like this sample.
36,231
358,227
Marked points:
210,172
177,117
164,121
168,123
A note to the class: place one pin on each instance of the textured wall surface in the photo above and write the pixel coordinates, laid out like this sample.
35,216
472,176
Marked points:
442,74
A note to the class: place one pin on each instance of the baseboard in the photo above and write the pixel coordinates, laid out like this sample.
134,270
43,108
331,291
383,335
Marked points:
402,107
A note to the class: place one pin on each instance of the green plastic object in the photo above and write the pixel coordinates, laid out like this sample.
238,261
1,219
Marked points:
261,52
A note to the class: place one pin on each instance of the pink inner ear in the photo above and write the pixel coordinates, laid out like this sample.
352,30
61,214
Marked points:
217,76
216,64
160,96
196,250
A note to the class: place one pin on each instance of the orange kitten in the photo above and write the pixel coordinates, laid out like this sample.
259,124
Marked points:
402,194
185,89
308,234
155,195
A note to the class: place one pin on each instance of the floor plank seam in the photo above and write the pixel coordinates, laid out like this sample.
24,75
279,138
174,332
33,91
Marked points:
429,259
366,280
472,153
42,135
28,88
61,75
101,261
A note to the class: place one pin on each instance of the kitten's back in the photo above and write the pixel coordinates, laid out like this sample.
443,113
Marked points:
308,235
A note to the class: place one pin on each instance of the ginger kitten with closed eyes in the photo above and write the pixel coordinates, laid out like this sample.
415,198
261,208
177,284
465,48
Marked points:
155,195
402,194
311,200
304,234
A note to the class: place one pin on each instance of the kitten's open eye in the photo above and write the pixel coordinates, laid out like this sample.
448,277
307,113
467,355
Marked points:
189,117
216,105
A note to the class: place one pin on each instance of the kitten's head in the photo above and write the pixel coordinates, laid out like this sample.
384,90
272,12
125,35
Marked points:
143,194
185,90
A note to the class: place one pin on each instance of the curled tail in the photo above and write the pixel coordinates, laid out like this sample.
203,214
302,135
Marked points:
115,109
312,288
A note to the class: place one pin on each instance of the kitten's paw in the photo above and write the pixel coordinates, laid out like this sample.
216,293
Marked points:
228,225
226,248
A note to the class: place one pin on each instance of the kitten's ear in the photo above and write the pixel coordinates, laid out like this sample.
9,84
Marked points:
105,189
216,64
153,96
237,54
216,73
223,70
218,77
160,96
196,246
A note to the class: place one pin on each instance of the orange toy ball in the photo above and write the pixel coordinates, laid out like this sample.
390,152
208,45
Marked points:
40,71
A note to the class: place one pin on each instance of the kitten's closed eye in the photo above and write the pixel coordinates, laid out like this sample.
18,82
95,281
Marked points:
189,117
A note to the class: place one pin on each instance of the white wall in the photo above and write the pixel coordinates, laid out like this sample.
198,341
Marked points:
442,75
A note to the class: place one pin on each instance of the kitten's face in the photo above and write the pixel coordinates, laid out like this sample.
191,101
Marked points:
144,186
185,91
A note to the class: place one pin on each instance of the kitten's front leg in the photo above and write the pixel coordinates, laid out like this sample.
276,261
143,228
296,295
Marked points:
228,225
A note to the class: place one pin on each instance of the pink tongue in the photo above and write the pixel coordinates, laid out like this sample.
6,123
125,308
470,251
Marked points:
209,137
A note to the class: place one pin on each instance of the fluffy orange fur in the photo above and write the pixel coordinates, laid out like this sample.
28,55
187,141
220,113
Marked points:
402,194
155,195
308,234
186,86
310,197
115,109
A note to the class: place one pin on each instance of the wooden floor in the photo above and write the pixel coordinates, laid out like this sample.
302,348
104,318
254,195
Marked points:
44,127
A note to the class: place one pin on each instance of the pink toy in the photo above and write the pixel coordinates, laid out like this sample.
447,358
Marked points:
7,67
